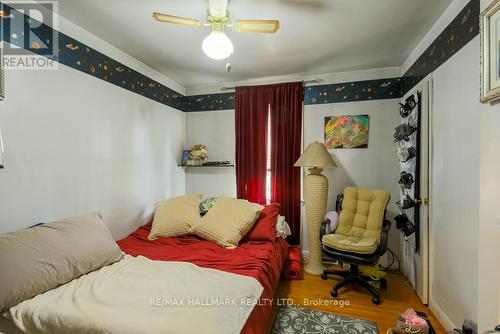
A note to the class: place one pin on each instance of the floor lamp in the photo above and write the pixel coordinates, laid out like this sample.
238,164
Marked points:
316,157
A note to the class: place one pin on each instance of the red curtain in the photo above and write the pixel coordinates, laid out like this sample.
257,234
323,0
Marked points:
253,104
286,145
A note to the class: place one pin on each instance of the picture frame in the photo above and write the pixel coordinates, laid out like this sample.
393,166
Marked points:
346,131
184,157
490,53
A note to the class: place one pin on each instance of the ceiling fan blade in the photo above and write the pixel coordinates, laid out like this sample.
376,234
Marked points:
260,26
160,17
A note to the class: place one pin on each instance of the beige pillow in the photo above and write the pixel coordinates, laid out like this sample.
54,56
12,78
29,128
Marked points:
227,222
38,259
175,216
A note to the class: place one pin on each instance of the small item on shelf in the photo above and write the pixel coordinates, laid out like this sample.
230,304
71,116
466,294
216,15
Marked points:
217,163
411,322
185,157
191,162
198,153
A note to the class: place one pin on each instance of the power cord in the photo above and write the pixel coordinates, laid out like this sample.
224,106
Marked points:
397,270
394,259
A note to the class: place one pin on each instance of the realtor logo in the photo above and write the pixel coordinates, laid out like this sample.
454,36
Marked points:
29,33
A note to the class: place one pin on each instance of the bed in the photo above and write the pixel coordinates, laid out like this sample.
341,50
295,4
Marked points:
70,276
261,260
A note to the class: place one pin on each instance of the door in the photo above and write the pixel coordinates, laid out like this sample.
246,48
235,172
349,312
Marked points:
416,259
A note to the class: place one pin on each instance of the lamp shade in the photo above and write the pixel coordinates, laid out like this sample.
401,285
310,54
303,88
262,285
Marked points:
316,155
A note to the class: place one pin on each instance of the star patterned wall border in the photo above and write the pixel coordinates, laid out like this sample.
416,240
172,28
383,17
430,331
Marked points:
463,28
79,56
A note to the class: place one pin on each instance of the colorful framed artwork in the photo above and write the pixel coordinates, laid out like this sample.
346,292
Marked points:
349,131
490,53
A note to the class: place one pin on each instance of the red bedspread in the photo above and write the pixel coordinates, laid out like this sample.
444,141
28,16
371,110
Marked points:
261,260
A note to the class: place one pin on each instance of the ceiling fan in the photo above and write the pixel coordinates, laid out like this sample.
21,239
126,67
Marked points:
217,45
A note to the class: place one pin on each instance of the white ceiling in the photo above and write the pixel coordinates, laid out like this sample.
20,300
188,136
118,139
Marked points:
316,36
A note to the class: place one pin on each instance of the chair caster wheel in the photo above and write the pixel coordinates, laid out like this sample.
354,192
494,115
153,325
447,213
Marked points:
324,276
334,293
376,300
383,284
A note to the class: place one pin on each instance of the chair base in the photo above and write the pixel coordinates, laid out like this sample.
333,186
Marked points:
352,277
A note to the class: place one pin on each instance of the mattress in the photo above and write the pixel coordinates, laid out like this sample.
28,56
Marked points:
261,260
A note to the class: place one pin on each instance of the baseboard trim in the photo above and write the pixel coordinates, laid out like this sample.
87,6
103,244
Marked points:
441,315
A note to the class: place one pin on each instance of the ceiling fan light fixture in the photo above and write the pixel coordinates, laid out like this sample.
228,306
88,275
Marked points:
217,45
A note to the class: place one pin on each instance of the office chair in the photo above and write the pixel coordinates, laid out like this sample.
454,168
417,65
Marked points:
360,238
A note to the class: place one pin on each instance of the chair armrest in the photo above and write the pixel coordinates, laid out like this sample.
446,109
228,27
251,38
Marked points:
384,237
322,229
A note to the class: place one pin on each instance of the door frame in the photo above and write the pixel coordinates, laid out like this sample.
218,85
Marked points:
426,244
422,273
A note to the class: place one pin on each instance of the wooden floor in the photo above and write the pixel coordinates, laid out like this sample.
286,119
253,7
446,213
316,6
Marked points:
395,300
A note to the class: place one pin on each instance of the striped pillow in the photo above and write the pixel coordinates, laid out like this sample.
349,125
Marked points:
227,222
174,217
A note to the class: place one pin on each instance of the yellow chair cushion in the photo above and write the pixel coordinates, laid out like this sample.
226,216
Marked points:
351,244
360,221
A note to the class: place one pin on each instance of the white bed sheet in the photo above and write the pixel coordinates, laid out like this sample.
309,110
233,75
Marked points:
138,295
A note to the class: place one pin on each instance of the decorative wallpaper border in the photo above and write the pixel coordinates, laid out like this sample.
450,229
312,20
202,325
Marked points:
79,56
208,102
456,35
320,94
353,91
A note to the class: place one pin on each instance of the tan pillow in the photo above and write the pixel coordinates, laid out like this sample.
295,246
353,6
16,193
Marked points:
227,222
38,259
175,216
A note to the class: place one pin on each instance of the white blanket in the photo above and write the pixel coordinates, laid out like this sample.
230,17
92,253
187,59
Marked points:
138,295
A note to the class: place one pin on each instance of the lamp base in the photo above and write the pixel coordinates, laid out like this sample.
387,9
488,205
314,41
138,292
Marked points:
315,198
314,269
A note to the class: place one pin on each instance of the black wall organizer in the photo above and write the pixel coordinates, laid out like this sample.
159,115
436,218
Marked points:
407,137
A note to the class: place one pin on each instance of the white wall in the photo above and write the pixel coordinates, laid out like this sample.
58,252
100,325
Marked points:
489,213
455,196
376,166
75,144
466,225
489,220
216,130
